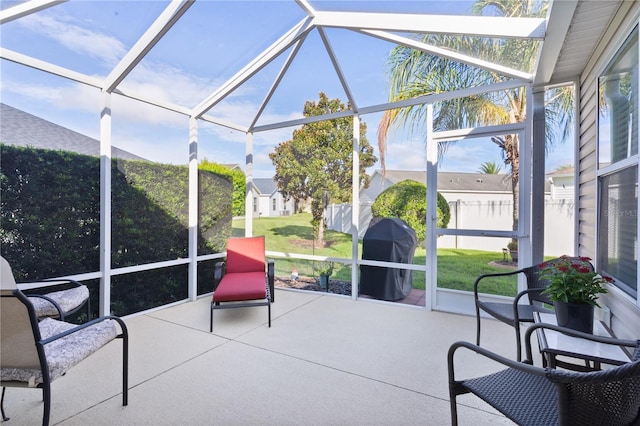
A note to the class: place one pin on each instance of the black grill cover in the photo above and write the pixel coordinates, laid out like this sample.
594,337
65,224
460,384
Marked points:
391,240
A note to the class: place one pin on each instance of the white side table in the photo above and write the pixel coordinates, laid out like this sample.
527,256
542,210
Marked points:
553,344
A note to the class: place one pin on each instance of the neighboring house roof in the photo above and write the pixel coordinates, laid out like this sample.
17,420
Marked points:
233,166
265,186
449,181
20,128
452,181
562,172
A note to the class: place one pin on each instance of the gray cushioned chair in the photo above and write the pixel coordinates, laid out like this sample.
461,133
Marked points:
34,353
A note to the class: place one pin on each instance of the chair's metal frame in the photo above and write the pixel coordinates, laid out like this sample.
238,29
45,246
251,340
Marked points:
40,344
220,271
550,392
515,312
32,292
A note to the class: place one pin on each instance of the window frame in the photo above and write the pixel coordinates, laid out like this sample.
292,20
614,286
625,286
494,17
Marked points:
604,171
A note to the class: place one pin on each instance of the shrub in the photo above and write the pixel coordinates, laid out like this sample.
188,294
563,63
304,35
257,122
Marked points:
407,201
237,177
50,215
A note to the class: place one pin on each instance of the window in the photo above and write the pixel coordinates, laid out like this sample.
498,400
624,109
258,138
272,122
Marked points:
618,112
274,205
255,205
618,167
618,239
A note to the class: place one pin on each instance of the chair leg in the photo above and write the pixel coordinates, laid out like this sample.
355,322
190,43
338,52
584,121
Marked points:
269,308
125,369
454,409
4,416
46,395
518,344
477,326
211,319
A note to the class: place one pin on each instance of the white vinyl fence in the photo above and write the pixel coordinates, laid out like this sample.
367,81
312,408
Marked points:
490,215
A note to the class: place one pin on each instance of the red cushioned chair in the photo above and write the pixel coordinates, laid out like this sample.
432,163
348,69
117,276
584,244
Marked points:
245,279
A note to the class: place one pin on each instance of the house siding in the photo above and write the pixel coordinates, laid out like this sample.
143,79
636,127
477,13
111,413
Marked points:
625,314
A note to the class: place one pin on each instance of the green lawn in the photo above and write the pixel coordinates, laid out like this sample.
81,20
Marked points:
457,269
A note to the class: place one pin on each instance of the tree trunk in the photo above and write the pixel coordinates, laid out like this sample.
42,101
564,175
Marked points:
513,159
320,234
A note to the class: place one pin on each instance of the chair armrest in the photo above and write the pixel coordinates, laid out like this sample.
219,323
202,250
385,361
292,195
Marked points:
271,278
526,293
574,333
75,329
218,272
53,302
47,285
495,274
522,366
53,293
519,296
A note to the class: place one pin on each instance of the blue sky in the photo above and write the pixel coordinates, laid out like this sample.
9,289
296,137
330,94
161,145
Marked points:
211,42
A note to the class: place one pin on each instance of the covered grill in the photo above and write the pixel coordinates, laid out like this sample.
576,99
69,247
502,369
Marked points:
391,240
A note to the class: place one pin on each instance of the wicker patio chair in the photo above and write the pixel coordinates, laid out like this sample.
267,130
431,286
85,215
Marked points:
513,313
530,395
245,279
35,353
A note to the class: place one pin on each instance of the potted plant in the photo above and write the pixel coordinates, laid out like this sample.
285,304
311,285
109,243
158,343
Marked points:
324,270
574,288
513,249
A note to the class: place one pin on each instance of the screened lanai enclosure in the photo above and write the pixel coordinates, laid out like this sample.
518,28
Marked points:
180,82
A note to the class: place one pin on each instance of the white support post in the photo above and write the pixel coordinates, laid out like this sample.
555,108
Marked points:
431,243
105,205
538,179
248,201
524,183
355,209
193,209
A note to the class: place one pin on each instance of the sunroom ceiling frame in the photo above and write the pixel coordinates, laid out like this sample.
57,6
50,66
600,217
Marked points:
26,8
366,23
149,39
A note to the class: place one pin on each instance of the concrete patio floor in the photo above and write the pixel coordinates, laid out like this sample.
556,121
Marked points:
326,360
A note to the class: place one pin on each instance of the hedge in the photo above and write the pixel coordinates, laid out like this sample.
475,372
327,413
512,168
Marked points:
50,213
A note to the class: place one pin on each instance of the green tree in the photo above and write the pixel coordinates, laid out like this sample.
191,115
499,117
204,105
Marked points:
414,73
317,162
406,200
490,168
236,176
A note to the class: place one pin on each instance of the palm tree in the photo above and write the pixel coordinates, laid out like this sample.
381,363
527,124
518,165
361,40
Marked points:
415,73
490,168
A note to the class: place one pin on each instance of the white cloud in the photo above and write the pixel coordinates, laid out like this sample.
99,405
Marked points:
80,40
406,156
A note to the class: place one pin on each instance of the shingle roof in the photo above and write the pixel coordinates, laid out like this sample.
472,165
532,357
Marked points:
449,181
265,186
20,128
452,181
